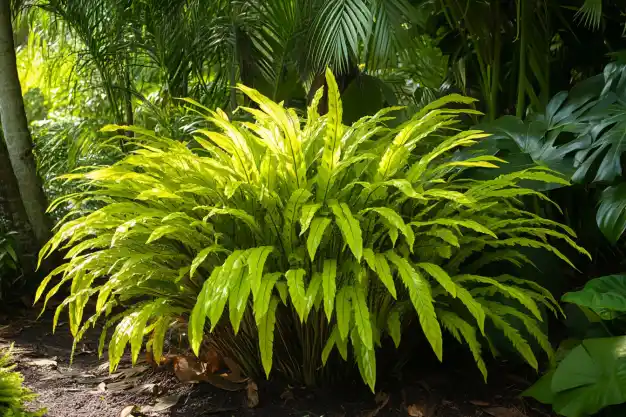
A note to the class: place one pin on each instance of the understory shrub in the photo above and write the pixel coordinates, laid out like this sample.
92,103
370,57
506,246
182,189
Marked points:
302,237
13,396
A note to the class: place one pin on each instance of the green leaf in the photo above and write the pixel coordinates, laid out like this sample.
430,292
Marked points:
256,263
318,227
330,344
344,311
329,285
266,325
605,295
542,389
200,311
611,214
592,376
396,221
518,342
283,291
366,359
292,214
394,327
332,139
362,317
264,295
238,301
297,292
422,300
378,263
440,276
312,292
230,274
308,212
202,255
462,329
159,232
350,228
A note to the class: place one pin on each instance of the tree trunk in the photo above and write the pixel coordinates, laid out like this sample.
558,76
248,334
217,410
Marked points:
16,133
12,210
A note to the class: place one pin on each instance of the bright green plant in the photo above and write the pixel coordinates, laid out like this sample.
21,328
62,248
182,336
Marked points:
308,230
590,375
13,396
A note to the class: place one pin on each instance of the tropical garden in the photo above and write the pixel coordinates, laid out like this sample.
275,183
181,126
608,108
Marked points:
314,193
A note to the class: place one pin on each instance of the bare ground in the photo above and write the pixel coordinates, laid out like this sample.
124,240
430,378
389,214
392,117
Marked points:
86,389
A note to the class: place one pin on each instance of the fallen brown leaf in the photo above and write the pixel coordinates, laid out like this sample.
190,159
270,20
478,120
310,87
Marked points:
479,403
162,404
415,410
128,411
253,394
504,412
212,360
188,369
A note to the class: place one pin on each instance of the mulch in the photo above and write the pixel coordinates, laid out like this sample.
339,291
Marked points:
84,388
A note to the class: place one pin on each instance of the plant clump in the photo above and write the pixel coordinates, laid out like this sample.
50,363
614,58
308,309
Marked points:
295,240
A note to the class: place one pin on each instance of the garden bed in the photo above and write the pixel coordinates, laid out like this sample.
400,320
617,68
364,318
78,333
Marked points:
86,389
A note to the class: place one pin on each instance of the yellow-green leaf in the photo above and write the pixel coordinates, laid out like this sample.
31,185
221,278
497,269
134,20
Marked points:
378,263
200,311
344,311
362,317
318,227
297,292
308,212
263,296
265,326
329,285
202,255
394,326
350,228
440,276
422,300
256,263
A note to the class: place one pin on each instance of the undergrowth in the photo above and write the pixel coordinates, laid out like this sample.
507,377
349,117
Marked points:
13,396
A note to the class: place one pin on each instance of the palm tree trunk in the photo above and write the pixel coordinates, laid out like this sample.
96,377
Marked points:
16,133
12,210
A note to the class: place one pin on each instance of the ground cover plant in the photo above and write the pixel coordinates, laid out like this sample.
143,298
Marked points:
13,396
304,235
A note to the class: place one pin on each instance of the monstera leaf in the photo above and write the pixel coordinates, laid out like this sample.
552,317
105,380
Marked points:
537,139
611,215
605,295
592,376
607,136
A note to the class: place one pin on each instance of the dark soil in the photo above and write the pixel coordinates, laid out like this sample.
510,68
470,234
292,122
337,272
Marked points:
85,389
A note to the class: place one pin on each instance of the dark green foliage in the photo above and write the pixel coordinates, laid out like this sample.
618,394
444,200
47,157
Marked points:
579,134
590,375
